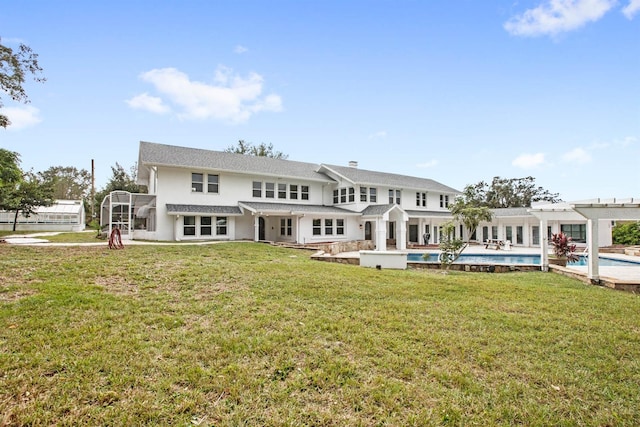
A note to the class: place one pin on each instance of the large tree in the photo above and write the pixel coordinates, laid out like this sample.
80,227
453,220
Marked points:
10,171
14,67
24,196
507,193
260,150
68,182
120,180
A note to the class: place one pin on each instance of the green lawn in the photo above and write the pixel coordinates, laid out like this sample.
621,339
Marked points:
248,334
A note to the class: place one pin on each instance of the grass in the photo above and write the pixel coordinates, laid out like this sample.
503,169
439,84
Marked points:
248,334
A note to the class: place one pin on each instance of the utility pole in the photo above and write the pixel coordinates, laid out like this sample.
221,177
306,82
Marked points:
93,190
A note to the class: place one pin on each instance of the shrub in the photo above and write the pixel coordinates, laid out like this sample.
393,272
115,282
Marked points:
627,233
563,247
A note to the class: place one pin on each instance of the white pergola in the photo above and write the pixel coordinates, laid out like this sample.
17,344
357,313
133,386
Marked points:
593,212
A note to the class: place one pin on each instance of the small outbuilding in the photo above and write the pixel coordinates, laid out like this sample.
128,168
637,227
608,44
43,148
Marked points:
62,215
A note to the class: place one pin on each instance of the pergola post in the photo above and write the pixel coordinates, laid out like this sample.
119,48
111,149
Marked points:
592,259
544,245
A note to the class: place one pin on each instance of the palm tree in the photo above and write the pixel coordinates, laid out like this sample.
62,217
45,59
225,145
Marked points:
470,215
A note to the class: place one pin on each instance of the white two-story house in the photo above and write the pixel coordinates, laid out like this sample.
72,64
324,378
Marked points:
196,194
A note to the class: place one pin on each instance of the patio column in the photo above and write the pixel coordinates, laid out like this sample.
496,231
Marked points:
176,228
544,245
402,236
256,228
592,260
298,217
381,234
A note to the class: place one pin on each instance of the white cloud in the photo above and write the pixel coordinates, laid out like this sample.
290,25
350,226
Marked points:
577,155
429,164
149,103
21,117
629,140
528,161
631,9
12,40
239,49
378,135
557,16
229,97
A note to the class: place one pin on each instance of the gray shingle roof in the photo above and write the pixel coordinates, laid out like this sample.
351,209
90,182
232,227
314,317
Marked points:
506,212
203,209
367,177
377,210
430,214
195,158
288,208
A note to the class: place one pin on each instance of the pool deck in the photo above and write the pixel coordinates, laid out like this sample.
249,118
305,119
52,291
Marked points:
625,278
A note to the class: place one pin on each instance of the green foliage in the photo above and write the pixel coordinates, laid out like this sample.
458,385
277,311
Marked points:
14,66
508,193
68,182
10,172
626,233
469,213
120,180
25,196
260,150
450,246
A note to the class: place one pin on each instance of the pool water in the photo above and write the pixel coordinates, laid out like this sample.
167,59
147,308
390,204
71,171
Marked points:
516,260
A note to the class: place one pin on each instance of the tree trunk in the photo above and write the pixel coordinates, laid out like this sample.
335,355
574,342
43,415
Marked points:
15,219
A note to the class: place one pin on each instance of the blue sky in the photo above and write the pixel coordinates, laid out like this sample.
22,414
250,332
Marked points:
458,91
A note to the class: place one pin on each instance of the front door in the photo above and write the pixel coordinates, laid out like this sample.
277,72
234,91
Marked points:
367,230
413,233
261,227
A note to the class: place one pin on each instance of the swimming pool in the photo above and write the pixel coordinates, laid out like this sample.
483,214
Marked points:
516,260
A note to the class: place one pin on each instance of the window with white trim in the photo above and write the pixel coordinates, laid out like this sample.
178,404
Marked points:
221,225
189,226
577,232
293,191
269,190
373,195
336,197
340,227
213,184
328,226
304,192
205,226
282,191
444,201
363,194
394,196
257,188
343,195
352,195
286,226
317,227
197,182
421,199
